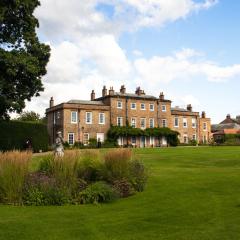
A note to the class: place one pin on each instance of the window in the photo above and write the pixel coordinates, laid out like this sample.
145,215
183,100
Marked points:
151,107
54,118
71,138
101,118
100,137
86,138
194,123
143,123
120,141
204,126
151,122
176,122
164,108
119,121
133,106
164,123
143,106
194,137
185,139
73,117
88,117
185,122
134,141
58,115
152,140
133,122
119,104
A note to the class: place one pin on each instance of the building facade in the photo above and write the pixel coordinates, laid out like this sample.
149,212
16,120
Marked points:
80,120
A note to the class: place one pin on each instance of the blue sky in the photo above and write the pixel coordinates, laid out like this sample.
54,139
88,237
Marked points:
188,49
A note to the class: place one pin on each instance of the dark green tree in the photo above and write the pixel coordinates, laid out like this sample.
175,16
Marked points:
23,58
29,117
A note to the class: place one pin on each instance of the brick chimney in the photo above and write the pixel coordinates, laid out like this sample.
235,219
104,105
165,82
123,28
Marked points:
203,115
161,96
92,95
139,91
104,91
51,102
189,107
111,91
228,116
122,89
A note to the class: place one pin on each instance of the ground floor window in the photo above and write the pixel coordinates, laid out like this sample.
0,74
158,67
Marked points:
71,138
86,138
185,139
120,141
134,140
152,141
100,137
194,137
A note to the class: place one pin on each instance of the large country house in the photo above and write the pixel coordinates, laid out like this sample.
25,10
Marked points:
80,120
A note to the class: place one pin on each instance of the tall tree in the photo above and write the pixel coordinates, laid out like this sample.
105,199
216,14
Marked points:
23,58
29,117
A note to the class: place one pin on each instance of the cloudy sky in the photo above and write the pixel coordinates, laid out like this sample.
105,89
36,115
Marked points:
187,48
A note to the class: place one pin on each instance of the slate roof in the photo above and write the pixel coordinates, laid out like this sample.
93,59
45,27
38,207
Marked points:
86,102
179,109
218,127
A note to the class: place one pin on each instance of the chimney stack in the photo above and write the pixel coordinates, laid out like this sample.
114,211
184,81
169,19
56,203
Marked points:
104,91
228,116
51,103
92,95
203,115
122,89
161,96
139,91
111,91
189,107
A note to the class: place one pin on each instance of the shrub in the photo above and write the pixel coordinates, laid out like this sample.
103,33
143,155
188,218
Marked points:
14,134
90,165
117,163
123,187
13,172
46,164
98,192
138,175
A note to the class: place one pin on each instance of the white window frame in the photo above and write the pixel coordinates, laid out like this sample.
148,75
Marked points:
121,121
144,120
164,123
176,126
134,104
164,108
135,122
72,119
58,115
103,118
194,123
151,120
151,107
143,104
119,104
185,123
205,126
84,141
73,138
90,117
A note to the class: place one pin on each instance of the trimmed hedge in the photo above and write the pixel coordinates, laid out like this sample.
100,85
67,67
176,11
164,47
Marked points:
14,135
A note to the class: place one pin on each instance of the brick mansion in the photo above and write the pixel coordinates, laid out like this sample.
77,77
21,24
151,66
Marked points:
80,120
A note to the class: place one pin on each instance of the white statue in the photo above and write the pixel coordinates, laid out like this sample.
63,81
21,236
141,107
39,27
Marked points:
59,149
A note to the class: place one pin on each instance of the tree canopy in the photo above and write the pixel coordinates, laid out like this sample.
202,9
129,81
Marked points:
29,117
23,58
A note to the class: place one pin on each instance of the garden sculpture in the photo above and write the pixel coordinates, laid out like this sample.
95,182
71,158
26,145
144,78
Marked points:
59,149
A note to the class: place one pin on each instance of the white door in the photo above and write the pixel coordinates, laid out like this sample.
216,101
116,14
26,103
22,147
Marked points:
100,137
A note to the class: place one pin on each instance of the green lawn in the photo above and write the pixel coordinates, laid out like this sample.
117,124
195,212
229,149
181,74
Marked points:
192,193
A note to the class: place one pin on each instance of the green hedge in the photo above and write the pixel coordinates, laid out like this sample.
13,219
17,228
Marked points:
14,134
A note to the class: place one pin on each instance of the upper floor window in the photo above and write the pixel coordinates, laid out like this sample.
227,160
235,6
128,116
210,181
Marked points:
151,107
143,107
164,122
205,126
133,122
133,106
119,121
58,115
151,122
164,108
194,123
176,122
119,104
74,117
101,118
185,122
143,123
89,117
